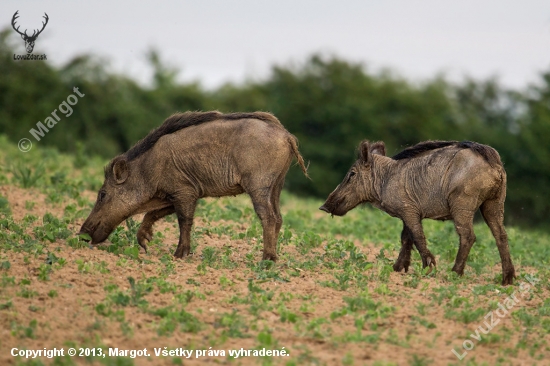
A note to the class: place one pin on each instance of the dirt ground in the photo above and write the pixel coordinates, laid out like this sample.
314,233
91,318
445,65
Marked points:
70,318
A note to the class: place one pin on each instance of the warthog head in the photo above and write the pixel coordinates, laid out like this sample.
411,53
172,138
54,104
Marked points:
357,186
116,201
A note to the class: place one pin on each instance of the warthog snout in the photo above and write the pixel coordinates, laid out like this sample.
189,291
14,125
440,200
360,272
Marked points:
336,204
97,232
80,233
86,229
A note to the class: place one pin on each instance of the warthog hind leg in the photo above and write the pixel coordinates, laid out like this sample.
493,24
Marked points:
465,229
493,213
185,210
270,222
275,203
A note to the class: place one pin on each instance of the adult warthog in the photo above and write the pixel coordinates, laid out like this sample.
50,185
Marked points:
441,180
194,155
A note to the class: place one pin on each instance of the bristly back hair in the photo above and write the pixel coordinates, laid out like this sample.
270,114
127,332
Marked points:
488,153
422,147
179,121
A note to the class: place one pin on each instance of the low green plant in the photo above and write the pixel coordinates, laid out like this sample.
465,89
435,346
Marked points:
25,176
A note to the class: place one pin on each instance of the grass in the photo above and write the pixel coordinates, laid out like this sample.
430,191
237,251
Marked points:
332,289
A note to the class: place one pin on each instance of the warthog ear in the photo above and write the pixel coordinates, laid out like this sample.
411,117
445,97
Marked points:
120,171
378,148
364,151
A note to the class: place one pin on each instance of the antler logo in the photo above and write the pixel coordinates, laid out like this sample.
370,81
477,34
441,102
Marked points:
29,40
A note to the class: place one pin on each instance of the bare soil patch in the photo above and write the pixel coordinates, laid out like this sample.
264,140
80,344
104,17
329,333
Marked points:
65,305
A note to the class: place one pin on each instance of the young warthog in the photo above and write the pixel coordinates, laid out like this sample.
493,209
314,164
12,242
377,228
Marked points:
441,180
194,155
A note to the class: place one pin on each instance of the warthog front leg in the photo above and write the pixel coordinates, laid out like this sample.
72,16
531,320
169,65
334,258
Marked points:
417,233
404,259
145,232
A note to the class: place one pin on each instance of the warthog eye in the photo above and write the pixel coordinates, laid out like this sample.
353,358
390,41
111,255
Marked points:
101,195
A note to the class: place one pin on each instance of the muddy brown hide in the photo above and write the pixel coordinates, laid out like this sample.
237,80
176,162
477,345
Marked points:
441,180
194,155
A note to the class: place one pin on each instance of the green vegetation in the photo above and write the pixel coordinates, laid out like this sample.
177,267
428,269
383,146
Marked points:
328,103
332,297
333,287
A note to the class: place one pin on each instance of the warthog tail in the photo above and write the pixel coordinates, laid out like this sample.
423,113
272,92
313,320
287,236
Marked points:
294,146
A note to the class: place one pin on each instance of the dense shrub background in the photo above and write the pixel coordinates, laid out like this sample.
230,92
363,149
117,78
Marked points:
330,104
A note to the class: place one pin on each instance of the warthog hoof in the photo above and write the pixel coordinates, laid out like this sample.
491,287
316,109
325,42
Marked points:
508,276
399,266
182,251
144,235
269,257
429,261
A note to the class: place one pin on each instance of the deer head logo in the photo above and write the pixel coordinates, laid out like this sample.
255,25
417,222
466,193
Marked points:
29,40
